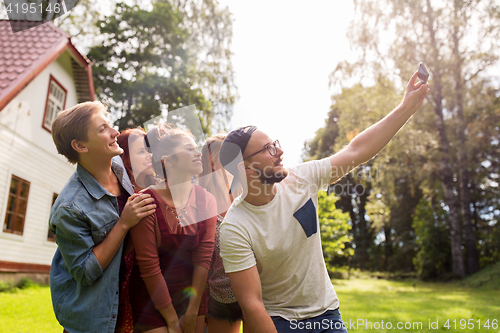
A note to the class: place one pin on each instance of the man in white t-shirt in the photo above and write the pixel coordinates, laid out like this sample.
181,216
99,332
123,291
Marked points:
270,240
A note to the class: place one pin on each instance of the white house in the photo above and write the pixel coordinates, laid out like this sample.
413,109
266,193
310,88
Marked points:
41,73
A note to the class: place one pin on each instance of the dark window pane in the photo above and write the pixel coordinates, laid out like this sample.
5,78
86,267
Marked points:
25,187
8,221
10,203
21,206
17,226
17,204
13,185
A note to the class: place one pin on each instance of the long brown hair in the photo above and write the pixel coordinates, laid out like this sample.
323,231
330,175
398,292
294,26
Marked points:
214,178
124,140
162,140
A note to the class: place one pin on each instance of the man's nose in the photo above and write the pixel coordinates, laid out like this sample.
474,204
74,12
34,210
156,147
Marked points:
279,151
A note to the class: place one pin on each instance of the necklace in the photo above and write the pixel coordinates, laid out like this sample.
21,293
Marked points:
173,212
178,216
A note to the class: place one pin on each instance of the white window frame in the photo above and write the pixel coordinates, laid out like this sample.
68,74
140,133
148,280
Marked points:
56,102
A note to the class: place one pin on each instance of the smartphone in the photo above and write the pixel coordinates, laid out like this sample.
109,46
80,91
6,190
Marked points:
423,74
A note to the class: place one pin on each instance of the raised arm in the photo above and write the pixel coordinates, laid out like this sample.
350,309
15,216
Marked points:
248,291
373,139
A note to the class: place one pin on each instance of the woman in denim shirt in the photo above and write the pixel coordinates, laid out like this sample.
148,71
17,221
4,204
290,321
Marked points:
86,221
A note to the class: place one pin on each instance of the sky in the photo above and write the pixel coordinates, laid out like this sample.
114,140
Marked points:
283,55
284,52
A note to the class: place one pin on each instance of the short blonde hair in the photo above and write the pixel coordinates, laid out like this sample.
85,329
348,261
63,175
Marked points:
72,124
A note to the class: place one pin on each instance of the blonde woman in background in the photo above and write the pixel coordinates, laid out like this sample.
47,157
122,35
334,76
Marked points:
224,313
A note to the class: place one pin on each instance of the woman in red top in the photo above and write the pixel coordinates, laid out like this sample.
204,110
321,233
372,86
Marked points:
173,246
137,162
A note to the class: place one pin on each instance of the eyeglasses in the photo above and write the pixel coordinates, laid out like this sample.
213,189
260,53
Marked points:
271,148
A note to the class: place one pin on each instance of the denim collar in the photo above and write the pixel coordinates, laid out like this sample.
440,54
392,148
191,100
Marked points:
92,186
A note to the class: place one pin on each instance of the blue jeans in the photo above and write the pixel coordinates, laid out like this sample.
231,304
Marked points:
328,322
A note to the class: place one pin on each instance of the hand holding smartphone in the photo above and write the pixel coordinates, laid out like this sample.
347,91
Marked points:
423,74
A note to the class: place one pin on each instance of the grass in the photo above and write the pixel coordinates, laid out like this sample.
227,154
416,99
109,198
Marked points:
487,278
27,310
364,303
418,306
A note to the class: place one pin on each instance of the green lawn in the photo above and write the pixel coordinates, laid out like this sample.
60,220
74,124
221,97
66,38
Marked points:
27,311
363,302
417,306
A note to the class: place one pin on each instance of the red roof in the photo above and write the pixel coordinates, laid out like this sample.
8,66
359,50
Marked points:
25,54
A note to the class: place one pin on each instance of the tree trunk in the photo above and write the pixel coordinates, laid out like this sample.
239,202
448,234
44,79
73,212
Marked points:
387,245
445,175
462,155
355,205
364,228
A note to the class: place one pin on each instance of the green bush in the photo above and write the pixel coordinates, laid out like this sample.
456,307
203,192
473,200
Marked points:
5,286
335,230
338,275
432,239
24,283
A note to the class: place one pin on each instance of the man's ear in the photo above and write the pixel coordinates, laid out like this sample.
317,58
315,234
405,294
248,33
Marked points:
79,146
246,169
